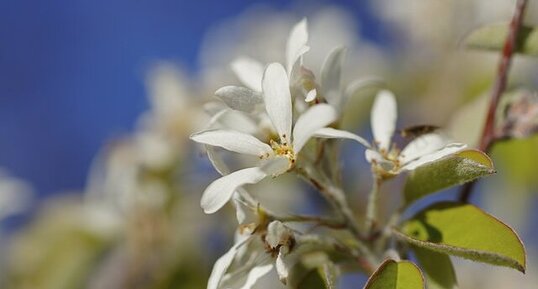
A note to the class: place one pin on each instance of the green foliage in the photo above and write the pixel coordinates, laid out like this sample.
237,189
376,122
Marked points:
437,268
396,275
455,170
492,37
322,277
328,272
312,280
466,231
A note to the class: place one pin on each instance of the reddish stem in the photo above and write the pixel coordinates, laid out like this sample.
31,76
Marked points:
488,133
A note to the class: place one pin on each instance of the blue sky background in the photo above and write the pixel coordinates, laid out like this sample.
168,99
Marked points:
72,74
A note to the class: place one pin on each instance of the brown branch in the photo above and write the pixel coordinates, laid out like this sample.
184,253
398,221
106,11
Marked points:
488,133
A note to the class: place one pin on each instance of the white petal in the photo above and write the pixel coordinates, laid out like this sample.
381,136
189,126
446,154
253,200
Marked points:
276,165
233,119
213,107
423,145
239,98
383,118
329,132
249,72
296,45
284,263
223,263
255,274
316,117
233,141
219,192
331,72
277,234
240,213
220,267
216,161
277,98
374,156
447,150
245,213
311,95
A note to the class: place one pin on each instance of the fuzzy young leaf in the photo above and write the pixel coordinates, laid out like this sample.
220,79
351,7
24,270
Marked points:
492,37
396,275
437,269
457,169
466,231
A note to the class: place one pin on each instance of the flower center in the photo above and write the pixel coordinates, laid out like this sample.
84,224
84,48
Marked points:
284,150
392,156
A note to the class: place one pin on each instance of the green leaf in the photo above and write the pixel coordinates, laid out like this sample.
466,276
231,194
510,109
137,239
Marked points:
328,273
466,231
396,275
314,270
492,37
311,280
457,169
437,269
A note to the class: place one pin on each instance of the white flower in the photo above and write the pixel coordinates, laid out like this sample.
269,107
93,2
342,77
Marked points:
382,153
257,263
279,155
422,150
250,72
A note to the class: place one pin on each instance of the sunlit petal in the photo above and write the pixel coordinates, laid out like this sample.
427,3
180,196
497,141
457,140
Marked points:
310,121
277,98
383,118
233,141
239,98
219,192
296,45
431,157
249,72
423,145
329,132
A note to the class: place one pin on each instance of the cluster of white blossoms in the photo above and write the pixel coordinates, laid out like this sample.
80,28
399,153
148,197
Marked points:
273,117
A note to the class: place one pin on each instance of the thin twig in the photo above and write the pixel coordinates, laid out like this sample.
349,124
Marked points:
336,198
371,208
327,222
488,133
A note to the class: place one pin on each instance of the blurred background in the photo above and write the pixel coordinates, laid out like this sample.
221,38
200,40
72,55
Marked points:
99,185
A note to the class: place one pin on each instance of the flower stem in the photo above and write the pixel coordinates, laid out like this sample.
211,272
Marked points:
488,137
336,197
371,207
